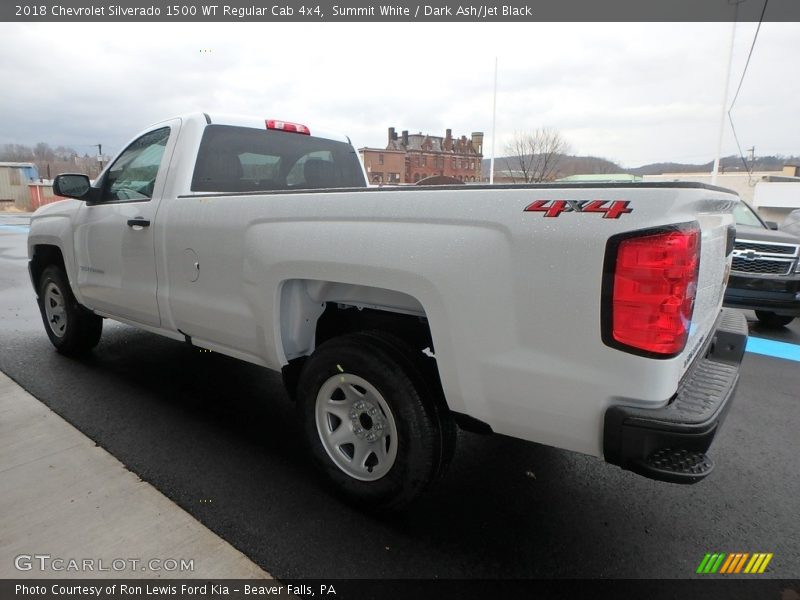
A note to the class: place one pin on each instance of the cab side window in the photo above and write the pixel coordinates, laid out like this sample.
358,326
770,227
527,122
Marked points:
132,177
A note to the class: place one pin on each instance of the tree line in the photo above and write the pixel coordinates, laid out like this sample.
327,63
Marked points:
52,161
544,155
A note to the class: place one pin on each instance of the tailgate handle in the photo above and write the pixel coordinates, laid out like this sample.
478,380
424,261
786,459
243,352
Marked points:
138,222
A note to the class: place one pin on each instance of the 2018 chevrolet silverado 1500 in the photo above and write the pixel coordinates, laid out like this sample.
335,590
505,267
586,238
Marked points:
765,274
586,318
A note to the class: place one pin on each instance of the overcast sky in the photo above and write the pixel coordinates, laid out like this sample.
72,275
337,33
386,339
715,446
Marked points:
633,93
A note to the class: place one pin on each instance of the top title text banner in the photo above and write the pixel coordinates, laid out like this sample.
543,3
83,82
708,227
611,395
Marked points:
400,10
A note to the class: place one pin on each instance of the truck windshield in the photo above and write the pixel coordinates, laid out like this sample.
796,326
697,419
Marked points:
243,159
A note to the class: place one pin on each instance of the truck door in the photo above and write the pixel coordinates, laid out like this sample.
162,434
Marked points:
114,235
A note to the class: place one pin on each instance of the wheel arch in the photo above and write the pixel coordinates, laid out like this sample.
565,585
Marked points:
43,256
313,311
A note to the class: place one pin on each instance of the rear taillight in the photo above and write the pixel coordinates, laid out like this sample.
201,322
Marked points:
286,126
649,290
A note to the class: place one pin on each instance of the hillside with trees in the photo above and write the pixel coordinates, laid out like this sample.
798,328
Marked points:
591,165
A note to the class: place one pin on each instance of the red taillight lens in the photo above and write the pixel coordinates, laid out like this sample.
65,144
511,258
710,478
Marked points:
286,126
654,288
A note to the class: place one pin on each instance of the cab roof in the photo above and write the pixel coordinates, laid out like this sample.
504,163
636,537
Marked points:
255,122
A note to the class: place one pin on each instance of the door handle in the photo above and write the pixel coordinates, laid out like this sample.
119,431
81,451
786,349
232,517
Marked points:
138,222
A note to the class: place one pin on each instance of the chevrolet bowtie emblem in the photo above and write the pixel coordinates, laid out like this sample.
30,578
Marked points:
746,254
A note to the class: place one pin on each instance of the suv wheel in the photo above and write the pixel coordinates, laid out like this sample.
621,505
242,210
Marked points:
770,319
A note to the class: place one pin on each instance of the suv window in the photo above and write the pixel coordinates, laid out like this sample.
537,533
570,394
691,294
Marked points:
243,159
744,215
133,174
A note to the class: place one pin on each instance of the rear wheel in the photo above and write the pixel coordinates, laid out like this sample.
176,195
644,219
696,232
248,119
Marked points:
371,420
770,319
71,328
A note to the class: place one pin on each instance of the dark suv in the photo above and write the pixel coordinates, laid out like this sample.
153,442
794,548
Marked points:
765,275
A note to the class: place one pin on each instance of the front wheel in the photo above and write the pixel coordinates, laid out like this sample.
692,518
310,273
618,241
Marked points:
770,319
71,328
370,420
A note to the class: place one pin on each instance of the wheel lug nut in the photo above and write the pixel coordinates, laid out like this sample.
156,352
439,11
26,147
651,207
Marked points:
373,411
370,437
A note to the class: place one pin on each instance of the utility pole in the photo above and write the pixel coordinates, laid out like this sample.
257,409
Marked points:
99,156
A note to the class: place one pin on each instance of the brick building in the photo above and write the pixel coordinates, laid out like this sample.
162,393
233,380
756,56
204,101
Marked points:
409,158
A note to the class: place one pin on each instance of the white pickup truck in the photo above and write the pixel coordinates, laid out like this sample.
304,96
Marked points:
584,317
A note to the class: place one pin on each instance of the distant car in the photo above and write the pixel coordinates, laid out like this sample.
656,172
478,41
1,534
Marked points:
765,274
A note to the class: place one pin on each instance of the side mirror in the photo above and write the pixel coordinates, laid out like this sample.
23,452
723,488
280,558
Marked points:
71,185
772,225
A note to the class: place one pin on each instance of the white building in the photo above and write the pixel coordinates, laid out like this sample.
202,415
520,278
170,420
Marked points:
774,194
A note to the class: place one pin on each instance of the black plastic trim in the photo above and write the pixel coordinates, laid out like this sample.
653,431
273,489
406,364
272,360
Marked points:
471,424
694,414
730,240
780,295
468,188
787,306
780,284
110,202
607,287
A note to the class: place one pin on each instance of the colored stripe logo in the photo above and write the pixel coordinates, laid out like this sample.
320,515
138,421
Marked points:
734,563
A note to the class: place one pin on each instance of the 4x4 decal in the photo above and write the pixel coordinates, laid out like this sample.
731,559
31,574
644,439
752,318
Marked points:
553,208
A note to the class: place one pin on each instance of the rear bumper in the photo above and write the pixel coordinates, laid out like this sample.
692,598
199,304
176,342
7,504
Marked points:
669,443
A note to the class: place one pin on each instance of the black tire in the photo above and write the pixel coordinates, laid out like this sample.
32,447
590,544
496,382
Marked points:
72,329
770,319
408,409
426,366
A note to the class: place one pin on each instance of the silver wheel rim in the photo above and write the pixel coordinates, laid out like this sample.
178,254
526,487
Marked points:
55,310
356,427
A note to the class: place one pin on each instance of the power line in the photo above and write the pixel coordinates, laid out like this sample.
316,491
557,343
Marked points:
739,87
